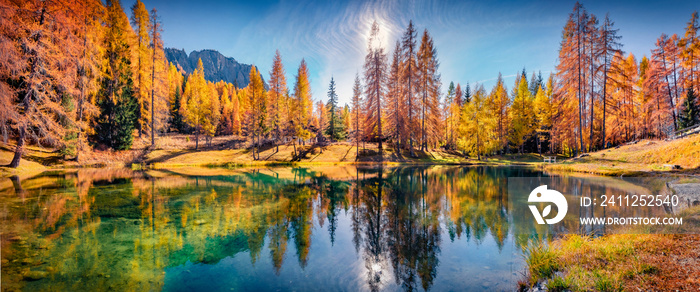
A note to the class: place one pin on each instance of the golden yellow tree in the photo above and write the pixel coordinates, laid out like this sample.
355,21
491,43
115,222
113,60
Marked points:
142,59
278,87
196,105
476,125
522,116
257,102
302,105
543,116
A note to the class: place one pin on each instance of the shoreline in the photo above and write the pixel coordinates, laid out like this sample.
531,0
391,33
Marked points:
641,158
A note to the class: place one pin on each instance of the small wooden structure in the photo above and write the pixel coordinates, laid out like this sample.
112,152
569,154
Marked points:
685,132
550,159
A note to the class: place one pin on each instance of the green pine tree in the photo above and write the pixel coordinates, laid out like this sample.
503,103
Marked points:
117,120
118,107
177,121
690,114
467,94
335,129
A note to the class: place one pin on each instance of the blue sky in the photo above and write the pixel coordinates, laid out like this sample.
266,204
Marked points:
475,40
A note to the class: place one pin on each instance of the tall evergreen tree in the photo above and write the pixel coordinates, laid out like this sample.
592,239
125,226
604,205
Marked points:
467,94
335,129
690,113
118,105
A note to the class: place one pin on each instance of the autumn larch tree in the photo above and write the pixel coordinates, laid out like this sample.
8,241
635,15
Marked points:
498,103
609,46
429,86
476,122
141,22
196,103
592,43
409,79
447,109
302,105
346,117
278,88
454,108
394,100
211,122
665,55
156,54
543,116
257,102
690,51
621,125
37,73
321,120
356,109
522,116
89,61
226,124
570,70
654,90
375,78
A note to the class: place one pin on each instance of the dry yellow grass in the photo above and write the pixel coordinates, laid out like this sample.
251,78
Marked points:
643,156
336,153
622,262
26,167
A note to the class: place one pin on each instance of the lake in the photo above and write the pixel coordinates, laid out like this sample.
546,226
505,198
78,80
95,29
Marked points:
331,228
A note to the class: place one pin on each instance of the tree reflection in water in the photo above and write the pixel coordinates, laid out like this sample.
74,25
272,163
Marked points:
102,230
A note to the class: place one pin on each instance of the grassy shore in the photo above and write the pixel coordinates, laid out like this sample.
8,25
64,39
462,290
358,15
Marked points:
642,157
620,262
230,151
656,259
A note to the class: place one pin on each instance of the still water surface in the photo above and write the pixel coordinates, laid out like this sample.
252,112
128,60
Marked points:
338,228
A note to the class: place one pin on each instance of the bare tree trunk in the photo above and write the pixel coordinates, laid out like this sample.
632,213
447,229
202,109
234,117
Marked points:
17,184
580,103
153,82
590,138
423,136
155,27
379,101
196,138
605,83
670,96
19,149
